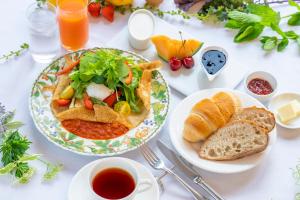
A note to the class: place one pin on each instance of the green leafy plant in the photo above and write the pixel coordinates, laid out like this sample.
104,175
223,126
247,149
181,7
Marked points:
252,23
14,147
16,53
218,10
294,19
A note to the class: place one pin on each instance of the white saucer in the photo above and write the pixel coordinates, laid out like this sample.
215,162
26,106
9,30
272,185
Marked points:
79,186
279,101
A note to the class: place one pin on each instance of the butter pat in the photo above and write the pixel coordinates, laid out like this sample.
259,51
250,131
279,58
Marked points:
289,111
296,105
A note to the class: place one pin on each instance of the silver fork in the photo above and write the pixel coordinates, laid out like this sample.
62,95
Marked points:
159,164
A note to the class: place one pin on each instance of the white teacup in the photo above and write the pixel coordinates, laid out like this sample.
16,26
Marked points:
141,185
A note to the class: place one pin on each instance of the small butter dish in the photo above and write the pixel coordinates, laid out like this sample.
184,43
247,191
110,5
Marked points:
141,25
283,99
213,60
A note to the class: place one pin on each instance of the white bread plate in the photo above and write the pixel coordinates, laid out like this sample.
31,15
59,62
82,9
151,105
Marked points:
187,150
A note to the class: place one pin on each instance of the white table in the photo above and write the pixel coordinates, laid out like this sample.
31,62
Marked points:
272,179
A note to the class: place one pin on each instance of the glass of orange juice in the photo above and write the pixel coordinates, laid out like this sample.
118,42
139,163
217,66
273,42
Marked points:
73,23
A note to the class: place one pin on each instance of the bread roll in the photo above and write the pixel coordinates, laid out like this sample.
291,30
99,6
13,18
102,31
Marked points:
208,115
208,108
196,128
227,102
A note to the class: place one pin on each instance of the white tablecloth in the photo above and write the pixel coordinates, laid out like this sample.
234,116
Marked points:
272,179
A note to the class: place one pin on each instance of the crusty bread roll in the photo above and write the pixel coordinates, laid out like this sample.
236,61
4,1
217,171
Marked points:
208,115
260,116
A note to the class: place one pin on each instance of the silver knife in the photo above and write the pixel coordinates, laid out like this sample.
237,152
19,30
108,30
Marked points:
177,160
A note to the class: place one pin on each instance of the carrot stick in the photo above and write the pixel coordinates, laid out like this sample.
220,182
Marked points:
68,68
128,80
68,59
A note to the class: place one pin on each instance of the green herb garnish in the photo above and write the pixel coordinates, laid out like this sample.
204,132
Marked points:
13,149
16,53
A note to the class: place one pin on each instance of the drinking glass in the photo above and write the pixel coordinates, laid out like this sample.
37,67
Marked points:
43,32
73,23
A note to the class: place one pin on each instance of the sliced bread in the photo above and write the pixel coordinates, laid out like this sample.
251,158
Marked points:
260,116
235,140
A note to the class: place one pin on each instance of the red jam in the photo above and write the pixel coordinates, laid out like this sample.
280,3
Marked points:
260,86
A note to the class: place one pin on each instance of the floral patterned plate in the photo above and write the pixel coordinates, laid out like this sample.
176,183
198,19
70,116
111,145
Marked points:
51,128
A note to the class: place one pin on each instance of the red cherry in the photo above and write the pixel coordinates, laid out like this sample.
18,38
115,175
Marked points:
188,62
175,64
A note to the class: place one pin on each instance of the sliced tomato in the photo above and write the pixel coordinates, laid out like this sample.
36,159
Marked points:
63,102
88,104
112,99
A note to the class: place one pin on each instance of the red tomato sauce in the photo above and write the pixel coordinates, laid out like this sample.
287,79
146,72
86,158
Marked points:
260,86
94,130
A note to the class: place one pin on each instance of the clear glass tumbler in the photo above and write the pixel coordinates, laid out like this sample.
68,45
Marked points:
43,31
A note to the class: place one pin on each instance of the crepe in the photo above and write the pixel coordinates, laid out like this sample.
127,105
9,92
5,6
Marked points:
144,89
103,113
63,82
154,65
77,113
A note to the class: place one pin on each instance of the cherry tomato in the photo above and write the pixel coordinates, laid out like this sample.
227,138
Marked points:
112,99
88,104
63,102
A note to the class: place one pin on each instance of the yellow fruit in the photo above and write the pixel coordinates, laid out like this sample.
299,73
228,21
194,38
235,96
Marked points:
123,108
53,2
67,93
120,2
167,48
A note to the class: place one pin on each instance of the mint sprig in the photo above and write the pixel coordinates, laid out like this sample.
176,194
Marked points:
252,23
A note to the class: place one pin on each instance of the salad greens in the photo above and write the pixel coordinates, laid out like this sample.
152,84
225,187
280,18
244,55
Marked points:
14,147
108,67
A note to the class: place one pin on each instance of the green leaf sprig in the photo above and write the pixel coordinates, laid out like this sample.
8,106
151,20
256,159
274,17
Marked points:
294,19
252,23
13,149
296,175
16,53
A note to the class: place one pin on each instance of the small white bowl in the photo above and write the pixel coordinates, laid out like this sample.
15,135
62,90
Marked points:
211,77
141,26
265,76
280,100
